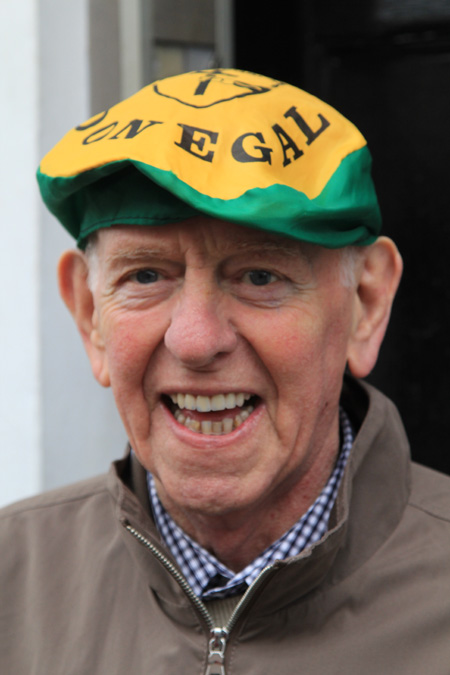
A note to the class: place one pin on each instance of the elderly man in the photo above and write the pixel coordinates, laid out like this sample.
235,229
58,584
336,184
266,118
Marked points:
267,516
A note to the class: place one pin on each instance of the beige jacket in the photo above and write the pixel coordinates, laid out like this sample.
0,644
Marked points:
81,594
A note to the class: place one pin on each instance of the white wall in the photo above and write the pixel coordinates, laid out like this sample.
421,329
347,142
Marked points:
19,252
81,431
56,424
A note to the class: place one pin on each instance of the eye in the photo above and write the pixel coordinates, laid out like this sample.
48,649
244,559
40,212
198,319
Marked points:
260,277
146,276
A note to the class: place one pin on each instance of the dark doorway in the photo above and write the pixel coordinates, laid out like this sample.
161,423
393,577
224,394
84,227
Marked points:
385,64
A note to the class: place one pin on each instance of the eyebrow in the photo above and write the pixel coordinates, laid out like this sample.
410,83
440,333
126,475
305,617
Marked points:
125,255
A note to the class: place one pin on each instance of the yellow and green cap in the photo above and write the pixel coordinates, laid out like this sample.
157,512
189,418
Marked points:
224,143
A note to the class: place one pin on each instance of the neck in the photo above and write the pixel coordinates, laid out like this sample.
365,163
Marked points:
236,538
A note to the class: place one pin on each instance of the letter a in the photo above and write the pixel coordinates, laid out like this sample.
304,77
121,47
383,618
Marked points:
280,132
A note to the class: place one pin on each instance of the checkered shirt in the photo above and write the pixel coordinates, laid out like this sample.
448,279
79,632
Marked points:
208,577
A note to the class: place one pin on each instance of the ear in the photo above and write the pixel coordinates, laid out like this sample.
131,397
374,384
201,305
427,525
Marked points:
378,277
79,299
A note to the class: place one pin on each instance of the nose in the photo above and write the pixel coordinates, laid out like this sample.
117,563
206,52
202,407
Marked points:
200,331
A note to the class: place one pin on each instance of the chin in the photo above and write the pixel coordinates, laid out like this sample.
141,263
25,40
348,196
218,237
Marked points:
210,497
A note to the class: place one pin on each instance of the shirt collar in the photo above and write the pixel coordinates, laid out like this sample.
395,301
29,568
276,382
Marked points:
208,577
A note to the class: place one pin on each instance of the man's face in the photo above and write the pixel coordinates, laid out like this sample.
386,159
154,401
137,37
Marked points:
206,314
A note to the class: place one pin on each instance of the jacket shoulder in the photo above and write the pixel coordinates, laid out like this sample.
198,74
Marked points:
79,491
430,492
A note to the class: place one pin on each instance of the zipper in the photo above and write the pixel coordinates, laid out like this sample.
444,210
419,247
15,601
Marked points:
218,636
216,654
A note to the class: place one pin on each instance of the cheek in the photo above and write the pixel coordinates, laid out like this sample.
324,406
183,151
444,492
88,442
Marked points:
283,338
301,349
129,344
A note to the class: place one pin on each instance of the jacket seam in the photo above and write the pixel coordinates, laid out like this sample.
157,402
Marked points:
49,505
428,512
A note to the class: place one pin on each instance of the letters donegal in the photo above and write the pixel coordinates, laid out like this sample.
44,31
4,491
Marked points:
212,138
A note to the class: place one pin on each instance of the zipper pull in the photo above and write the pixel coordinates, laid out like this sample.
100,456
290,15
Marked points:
216,655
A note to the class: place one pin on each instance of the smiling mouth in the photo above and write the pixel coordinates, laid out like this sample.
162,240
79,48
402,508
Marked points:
211,415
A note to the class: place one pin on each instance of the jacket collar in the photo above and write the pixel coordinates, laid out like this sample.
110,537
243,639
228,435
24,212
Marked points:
371,499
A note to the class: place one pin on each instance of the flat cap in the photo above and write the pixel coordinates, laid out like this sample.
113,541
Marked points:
225,143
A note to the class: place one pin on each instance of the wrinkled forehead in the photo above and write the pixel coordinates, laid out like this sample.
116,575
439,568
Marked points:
209,238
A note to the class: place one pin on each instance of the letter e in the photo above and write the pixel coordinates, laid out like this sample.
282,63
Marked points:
193,136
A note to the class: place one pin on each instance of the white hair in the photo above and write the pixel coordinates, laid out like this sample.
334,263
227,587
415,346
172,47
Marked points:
92,261
350,255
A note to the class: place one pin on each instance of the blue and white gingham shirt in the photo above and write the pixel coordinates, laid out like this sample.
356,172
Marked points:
201,568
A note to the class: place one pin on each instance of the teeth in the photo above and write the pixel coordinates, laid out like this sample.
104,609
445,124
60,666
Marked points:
230,401
206,427
208,403
193,424
237,421
203,403
190,402
216,427
218,402
227,425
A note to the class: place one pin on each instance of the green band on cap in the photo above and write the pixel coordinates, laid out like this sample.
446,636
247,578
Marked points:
118,194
